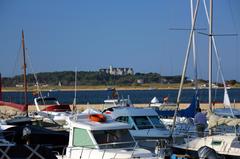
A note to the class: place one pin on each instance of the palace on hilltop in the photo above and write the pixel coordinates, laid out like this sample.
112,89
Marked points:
117,71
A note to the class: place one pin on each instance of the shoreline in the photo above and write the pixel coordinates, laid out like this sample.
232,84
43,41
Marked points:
82,107
7,112
104,89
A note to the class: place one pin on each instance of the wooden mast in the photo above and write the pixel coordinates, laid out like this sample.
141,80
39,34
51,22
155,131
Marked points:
24,73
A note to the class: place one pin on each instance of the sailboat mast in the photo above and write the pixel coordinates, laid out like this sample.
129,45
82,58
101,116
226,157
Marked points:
24,71
185,65
0,87
194,50
210,54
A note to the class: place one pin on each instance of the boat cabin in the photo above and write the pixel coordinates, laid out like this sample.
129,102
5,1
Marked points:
104,139
137,118
99,134
50,104
145,125
108,103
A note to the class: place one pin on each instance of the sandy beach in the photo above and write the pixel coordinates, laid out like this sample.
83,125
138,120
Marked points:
81,107
203,106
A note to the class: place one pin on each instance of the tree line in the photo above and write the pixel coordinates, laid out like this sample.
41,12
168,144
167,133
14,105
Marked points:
67,78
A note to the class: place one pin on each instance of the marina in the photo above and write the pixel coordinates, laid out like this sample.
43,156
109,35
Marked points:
198,119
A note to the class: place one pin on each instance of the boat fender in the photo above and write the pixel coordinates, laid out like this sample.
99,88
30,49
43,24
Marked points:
206,152
97,117
26,132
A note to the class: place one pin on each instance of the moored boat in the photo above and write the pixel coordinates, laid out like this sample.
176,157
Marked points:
52,110
146,126
90,139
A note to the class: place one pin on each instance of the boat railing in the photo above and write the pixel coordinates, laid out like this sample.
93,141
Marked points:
116,145
10,151
91,148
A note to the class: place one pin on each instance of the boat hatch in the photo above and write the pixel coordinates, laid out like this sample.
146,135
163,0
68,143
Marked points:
216,142
81,138
109,139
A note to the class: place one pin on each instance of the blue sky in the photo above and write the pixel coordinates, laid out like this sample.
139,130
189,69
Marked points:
61,35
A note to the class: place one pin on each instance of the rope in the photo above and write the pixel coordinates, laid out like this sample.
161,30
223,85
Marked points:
38,87
35,76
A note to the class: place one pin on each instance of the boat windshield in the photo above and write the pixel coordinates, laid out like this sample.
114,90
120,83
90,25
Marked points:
109,139
142,122
47,101
156,122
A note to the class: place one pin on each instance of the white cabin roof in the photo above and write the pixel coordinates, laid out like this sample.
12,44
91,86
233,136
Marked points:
132,111
111,101
91,111
84,122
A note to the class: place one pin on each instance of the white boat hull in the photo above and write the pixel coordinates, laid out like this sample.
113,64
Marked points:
87,153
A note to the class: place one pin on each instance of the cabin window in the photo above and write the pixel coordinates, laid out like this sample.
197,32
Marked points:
81,138
113,138
142,122
126,119
156,122
123,119
47,101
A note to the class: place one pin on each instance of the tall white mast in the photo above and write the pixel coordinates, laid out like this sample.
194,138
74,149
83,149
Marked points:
194,50
185,65
210,54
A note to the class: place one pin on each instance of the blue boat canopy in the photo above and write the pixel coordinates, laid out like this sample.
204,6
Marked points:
189,112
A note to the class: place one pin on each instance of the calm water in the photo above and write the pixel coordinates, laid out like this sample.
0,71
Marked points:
137,96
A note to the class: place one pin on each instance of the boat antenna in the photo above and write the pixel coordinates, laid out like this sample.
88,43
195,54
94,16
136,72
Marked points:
185,66
24,74
75,92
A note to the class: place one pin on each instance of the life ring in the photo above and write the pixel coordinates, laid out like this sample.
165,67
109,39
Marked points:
97,117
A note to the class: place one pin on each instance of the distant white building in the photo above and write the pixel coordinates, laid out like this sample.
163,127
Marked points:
19,85
140,81
117,71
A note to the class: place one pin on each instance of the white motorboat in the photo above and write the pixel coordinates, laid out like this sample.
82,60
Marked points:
155,103
146,126
52,110
117,103
94,136
218,146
